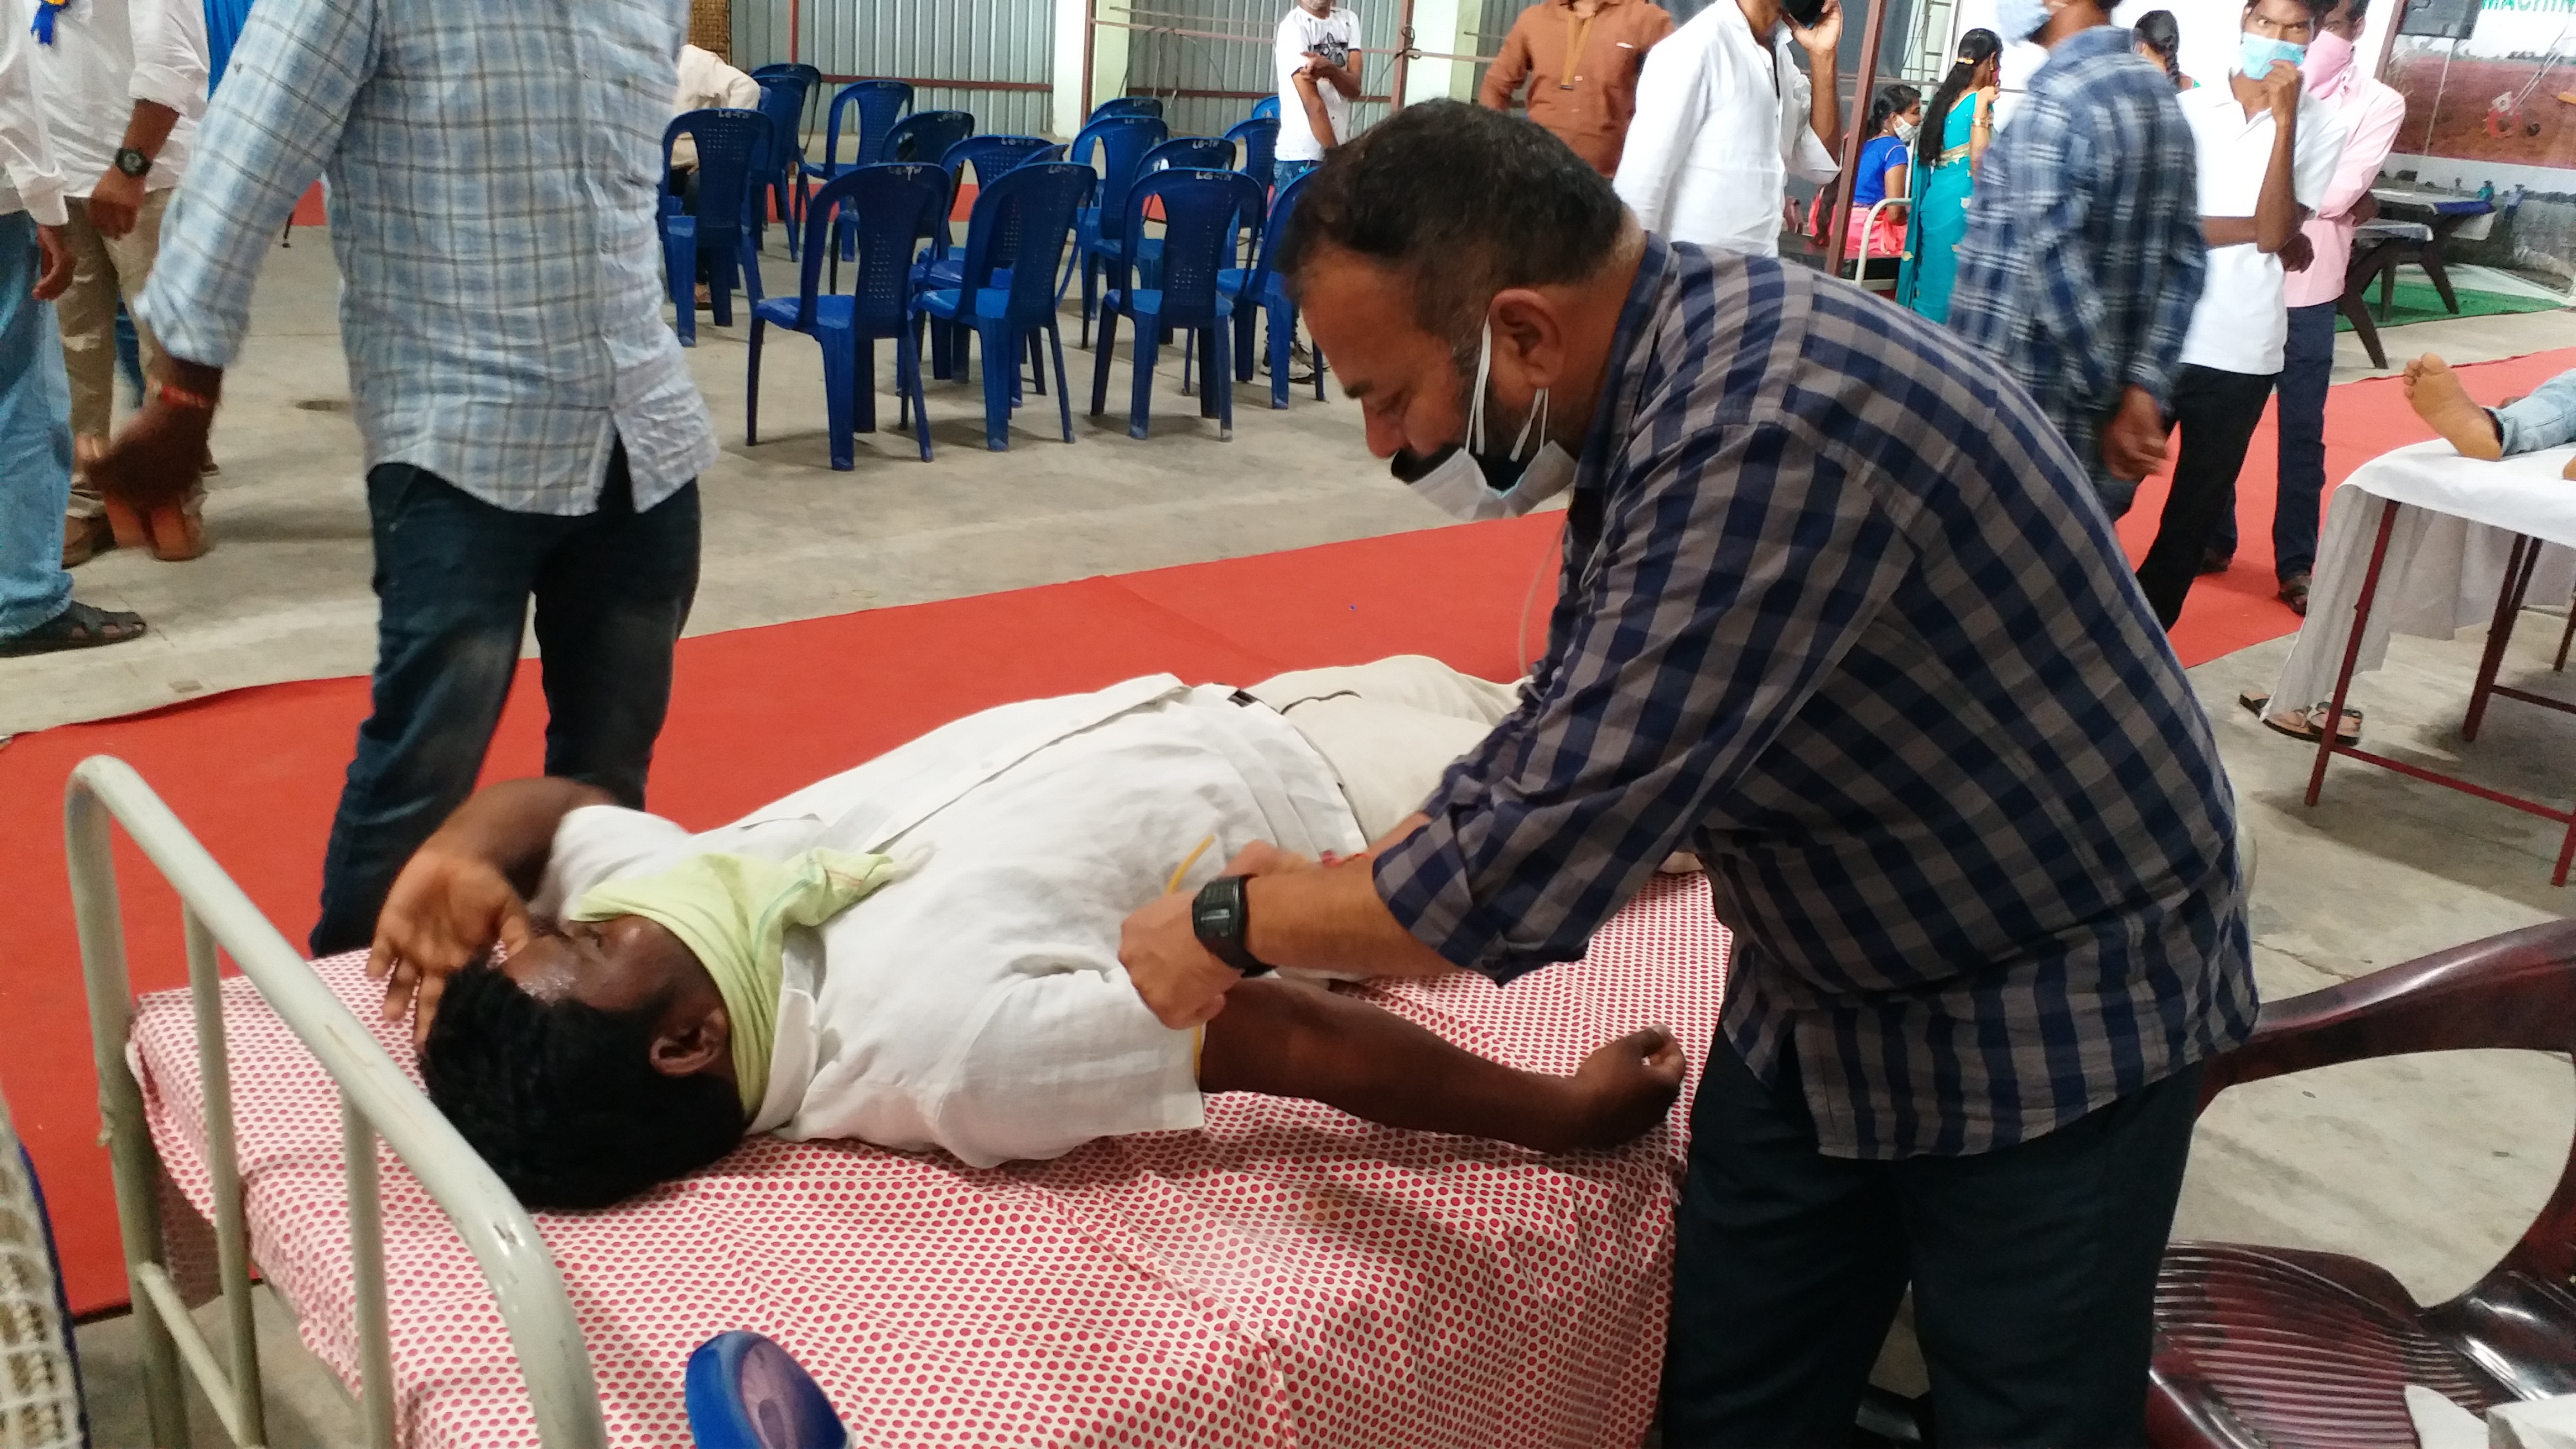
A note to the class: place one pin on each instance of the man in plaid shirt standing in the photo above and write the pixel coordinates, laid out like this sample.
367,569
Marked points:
2083,257
532,434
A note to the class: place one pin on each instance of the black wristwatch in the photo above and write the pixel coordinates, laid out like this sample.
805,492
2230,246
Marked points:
132,162
1219,917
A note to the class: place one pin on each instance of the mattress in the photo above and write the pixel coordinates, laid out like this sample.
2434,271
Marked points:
1287,1276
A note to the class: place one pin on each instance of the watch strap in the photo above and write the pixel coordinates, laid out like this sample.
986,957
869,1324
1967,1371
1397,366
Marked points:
1219,917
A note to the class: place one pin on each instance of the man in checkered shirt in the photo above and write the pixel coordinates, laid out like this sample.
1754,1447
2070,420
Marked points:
1845,620
531,432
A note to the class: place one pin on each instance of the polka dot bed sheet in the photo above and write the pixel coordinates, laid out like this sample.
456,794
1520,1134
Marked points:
1286,1276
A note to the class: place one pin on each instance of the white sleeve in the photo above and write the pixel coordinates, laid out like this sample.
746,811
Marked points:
2316,154
595,843
1671,103
1288,52
741,92
170,55
26,155
1801,150
1059,1060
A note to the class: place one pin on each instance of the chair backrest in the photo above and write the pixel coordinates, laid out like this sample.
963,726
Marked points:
1021,222
993,155
1128,106
745,1392
1283,205
782,100
1266,109
2517,990
1122,142
927,135
1205,153
733,146
897,205
1204,211
1259,138
879,103
813,78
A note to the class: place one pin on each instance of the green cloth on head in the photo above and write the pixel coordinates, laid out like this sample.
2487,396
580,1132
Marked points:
732,912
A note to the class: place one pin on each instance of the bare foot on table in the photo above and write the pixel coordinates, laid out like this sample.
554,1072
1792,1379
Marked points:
2437,397
1625,1087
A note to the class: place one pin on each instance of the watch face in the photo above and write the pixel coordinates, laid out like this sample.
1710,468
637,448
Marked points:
132,162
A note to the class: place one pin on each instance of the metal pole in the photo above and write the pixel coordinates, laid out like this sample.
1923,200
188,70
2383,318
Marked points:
1403,50
247,1415
1090,35
1837,219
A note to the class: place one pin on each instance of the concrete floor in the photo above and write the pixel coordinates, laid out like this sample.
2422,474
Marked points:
2431,1166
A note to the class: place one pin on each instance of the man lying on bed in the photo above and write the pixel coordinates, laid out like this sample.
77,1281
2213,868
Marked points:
923,951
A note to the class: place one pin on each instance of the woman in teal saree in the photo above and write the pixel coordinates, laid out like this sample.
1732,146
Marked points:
1944,173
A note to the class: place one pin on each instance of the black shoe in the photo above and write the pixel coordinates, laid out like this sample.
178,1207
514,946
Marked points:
2214,562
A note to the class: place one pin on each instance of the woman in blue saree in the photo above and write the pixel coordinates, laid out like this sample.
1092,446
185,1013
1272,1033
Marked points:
1952,141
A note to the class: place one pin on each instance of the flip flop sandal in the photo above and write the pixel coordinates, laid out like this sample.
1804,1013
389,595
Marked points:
78,626
2310,725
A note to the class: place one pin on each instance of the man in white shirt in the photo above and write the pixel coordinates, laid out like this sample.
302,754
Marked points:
1316,54
2267,153
122,83
1724,117
708,83
973,1001
37,612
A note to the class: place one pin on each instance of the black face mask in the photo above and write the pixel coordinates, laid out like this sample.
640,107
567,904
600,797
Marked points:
1805,12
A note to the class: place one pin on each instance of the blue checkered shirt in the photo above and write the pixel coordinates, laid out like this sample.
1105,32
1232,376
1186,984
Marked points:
2083,256
493,172
1845,619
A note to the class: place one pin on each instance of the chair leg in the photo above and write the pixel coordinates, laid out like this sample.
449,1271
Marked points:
680,260
1283,336
1220,376
1207,393
1318,355
751,389
1000,370
1189,356
1243,355
907,381
1090,294
1037,363
840,360
1064,397
720,288
863,382
1140,402
1100,354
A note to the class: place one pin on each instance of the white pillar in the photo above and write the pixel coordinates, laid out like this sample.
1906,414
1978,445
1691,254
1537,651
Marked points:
1443,26
1108,67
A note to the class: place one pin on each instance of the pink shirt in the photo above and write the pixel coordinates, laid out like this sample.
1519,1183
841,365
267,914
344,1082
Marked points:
2371,113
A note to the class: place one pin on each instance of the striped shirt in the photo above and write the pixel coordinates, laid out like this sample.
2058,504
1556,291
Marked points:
1847,621
2083,257
493,173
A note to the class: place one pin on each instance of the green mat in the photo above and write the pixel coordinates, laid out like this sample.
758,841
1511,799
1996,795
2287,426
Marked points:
2416,301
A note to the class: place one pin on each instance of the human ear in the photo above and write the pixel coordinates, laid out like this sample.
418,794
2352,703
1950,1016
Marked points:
1529,342
686,1048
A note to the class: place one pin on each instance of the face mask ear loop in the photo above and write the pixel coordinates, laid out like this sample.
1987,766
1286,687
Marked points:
1537,420
1476,399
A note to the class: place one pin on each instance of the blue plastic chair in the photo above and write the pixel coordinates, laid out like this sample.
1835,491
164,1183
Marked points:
732,146
921,136
1006,285
1259,139
1206,153
1127,106
1261,286
1121,142
880,104
782,100
1203,211
895,206
990,156
745,1392
1266,109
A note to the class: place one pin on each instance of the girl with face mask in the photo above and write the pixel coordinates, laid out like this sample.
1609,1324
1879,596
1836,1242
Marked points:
1886,158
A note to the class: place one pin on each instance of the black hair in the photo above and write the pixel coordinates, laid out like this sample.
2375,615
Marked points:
1892,101
1975,49
2158,31
1466,202
2317,10
562,1099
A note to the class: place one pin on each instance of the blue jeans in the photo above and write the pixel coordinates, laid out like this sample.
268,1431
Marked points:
2545,419
454,576
2307,369
1283,172
35,440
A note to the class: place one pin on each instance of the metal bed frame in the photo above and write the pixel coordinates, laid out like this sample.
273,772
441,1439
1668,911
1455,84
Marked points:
376,1099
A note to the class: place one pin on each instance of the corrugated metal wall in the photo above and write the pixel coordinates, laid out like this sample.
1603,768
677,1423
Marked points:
1175,66
918,40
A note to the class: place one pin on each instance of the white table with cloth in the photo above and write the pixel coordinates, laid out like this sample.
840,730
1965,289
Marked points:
2424,541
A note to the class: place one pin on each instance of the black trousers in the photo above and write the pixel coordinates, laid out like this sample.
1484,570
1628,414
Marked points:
2217,412
2033,1268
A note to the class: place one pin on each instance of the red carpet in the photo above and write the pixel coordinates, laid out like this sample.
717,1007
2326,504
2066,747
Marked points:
758,712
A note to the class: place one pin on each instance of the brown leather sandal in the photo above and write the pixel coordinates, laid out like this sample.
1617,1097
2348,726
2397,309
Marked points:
78,626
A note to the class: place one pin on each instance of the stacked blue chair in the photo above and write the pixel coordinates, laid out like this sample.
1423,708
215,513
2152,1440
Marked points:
732,145
1121,142
880,103
922,136
895,205
1259,138
1128,106
745,1392
1005,287
1205,153
991,156
1266,109
782,100
1203,212
1260,286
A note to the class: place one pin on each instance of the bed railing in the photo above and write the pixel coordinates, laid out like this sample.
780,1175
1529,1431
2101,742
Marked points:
376,1099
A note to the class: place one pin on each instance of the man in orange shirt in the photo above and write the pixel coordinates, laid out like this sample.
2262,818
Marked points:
1580,58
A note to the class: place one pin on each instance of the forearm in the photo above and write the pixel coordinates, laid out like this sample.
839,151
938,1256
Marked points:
1329,918
2276,212
2229,231
1288,1040
510,826
1824,104
1318,120
149,127
1346,78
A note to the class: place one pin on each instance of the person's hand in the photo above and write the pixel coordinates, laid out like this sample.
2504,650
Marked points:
1823,37
2281,90
2363,211
158,455
2299,254
446,909
1180,982
56,276
1304,76
2133,438
114,203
